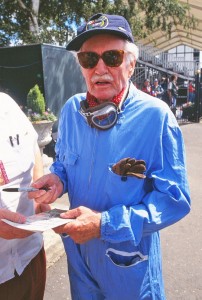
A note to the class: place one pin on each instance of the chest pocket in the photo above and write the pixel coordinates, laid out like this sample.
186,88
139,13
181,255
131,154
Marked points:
69,160
121,189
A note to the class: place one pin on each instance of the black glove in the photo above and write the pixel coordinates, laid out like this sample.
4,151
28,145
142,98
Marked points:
130,167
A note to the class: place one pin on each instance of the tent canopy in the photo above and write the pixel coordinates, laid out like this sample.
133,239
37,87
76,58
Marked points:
179,35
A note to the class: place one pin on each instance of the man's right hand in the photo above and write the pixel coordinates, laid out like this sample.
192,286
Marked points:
9,232
53,188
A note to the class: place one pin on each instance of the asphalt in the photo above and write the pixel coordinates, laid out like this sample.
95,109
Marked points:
52,241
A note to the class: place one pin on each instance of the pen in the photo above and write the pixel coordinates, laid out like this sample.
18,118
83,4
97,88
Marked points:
24,189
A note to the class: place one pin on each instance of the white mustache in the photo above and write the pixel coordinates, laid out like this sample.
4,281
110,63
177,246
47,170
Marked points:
105,77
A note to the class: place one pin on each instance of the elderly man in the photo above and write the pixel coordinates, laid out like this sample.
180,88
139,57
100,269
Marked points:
120,158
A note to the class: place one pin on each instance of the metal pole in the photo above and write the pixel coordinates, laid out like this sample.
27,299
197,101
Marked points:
200,97
197,95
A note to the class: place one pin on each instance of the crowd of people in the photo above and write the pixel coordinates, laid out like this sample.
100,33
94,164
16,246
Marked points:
167,89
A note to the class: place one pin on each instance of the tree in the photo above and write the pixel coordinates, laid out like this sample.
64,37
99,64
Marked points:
54,21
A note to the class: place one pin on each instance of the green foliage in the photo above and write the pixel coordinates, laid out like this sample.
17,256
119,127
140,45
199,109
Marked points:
36,106
53,21
35,100
46,116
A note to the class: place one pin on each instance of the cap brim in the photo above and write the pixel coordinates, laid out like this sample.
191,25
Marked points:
77,42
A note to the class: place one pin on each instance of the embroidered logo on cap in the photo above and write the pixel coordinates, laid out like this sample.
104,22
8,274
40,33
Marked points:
101,22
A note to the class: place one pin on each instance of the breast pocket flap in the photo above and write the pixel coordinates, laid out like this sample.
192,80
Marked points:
71,158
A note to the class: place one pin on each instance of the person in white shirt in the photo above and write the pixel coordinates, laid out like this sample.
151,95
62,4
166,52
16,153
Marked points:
23,262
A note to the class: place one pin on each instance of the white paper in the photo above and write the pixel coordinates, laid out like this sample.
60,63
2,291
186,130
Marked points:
42,221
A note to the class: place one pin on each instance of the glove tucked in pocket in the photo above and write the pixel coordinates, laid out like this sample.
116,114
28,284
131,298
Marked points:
130,167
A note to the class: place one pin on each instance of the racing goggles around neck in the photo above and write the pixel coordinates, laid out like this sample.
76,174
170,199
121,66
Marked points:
111,58
102,116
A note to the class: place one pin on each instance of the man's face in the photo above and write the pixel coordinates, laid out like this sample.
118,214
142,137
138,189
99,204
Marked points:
105,82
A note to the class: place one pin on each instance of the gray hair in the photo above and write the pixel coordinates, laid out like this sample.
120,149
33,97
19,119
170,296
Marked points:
132,54
132,49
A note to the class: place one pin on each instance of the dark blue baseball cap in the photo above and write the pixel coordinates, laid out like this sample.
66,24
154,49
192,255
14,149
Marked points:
101,23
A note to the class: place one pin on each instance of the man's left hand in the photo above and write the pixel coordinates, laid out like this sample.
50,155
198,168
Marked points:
85,227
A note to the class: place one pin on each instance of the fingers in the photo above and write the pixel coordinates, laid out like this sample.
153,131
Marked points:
75,212
48,197
37,194
9,232
44,181
125,168
137,175
70,214
119,167
47,181
41,207
54,189
130,167
12,216
59,229
133,162
137,169
86,225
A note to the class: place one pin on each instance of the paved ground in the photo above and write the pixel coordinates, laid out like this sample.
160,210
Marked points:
181,243
53,246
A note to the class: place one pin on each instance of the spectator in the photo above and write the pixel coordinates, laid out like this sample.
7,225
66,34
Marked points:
173,91
146,87
157,90
164,83
191,89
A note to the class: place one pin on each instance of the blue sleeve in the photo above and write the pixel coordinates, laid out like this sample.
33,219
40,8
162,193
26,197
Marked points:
166,203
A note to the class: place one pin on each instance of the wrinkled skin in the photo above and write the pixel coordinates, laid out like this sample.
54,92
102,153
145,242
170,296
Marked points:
54,189
85,227
9,232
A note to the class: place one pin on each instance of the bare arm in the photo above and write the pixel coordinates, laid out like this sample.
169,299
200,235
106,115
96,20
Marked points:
38,166
9,232
37,173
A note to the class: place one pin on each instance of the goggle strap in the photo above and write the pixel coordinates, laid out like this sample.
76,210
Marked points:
86,109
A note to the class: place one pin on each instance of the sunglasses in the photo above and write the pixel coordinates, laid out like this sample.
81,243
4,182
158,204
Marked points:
111,58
